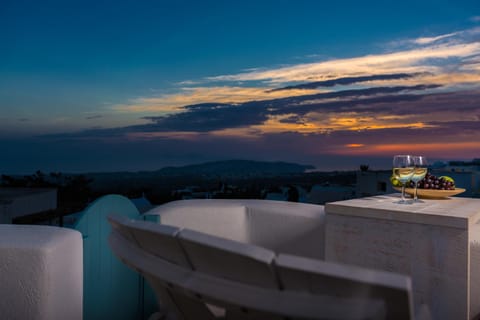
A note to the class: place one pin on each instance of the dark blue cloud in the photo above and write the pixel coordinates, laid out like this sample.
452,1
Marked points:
296,119
349,80
212,118
454,127
98,116
208,106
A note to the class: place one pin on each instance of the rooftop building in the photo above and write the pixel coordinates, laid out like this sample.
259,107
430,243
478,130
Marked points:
18,202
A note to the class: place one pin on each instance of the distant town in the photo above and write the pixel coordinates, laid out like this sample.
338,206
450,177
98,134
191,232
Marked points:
233,179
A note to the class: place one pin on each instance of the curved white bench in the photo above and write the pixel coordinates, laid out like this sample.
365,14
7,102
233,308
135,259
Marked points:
287,227
191,270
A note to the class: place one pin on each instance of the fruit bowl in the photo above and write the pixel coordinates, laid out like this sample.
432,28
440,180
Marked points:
431,193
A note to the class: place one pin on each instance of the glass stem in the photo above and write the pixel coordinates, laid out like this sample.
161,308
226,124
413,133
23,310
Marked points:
403,192
415,197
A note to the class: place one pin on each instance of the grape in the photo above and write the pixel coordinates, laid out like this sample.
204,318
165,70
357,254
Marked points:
432,182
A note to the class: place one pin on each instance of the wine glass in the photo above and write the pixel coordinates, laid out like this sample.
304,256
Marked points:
420,164
403,169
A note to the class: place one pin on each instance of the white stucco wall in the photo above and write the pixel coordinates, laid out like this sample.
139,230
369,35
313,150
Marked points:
41,273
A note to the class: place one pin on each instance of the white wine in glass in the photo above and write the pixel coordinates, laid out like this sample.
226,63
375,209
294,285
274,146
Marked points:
420,164
403,170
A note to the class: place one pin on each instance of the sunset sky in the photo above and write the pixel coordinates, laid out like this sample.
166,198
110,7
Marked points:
138,85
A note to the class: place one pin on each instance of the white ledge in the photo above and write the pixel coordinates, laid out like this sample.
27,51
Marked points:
453,212
41,273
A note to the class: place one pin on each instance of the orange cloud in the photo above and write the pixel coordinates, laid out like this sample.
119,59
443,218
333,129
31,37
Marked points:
436,149
353,121
354,145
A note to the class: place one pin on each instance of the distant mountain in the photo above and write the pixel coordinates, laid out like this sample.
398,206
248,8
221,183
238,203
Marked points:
237,168
174,177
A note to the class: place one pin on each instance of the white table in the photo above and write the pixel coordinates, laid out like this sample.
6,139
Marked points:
436,242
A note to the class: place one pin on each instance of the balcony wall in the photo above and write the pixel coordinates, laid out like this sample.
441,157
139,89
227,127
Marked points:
41,273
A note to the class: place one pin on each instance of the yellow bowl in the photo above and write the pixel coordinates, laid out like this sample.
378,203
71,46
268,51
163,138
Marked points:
431,193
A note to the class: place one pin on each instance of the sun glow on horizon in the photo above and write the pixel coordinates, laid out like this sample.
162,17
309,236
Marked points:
355,145
436,149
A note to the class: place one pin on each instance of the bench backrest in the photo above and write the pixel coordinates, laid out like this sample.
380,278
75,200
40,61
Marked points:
130,238
229,259
340,280
247,281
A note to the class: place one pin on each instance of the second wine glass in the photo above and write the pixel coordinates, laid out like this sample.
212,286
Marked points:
403,169
420,164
